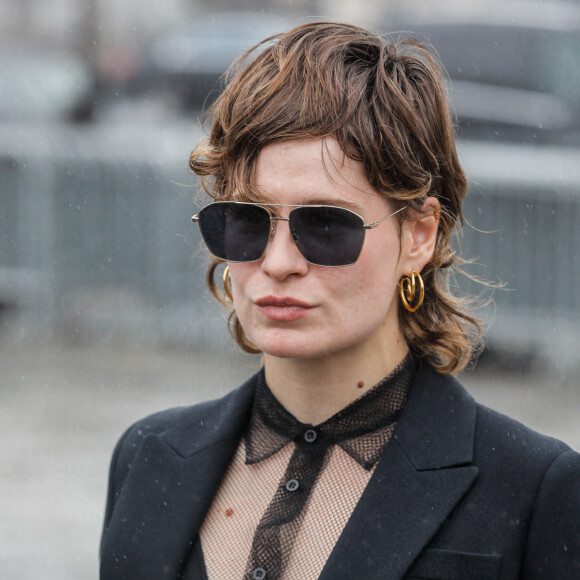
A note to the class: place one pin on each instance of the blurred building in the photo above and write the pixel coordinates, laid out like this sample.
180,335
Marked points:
95,230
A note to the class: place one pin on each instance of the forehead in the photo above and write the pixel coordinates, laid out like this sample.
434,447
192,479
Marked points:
311,171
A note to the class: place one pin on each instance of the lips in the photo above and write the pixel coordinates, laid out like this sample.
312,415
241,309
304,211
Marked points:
282,308
282,302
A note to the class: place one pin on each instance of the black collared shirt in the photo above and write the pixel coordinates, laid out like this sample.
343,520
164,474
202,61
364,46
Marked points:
362,430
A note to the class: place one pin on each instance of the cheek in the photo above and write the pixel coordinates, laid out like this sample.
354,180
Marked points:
239,275
363,292
377,277
378,268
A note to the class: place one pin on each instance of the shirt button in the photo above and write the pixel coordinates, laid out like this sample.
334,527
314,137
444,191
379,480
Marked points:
292,485
310,436
259,574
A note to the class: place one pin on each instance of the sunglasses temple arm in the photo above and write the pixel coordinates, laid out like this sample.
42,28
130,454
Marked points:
375,224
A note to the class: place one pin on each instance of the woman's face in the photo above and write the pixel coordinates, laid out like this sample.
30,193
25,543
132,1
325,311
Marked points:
292,309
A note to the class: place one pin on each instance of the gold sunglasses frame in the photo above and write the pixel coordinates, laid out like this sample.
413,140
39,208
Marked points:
369,226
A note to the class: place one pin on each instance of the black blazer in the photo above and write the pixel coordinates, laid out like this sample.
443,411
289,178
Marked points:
461,492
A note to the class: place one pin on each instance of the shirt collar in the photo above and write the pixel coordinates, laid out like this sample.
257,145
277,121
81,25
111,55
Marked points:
362,429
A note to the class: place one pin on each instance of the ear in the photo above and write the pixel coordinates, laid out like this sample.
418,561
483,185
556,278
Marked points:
419,237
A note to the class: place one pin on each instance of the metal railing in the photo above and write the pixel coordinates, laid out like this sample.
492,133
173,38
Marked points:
524,211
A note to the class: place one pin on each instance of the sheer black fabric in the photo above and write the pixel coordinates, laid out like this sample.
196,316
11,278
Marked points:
362,430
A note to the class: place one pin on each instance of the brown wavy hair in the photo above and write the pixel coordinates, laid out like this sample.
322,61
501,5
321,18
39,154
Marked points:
386,104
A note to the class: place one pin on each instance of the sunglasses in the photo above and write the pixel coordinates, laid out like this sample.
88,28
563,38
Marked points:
325,235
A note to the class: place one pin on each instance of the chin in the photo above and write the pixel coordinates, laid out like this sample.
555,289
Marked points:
290,351
291,347
304,348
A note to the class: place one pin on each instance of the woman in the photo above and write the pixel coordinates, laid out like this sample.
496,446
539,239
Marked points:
353,453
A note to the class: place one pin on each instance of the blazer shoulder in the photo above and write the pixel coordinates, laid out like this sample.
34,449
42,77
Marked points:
505,441
554,537
175,420
492,424
185,429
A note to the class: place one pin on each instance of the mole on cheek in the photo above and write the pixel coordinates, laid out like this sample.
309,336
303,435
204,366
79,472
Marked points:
360,384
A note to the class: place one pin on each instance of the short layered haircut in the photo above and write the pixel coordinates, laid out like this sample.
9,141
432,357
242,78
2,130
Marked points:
385,103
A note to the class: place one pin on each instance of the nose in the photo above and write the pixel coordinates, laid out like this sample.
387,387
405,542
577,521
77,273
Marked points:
282,257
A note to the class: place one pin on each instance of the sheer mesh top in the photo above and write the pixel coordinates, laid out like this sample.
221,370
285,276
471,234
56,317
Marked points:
291,487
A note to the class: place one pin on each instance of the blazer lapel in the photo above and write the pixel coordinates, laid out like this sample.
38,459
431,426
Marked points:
182,468
425,470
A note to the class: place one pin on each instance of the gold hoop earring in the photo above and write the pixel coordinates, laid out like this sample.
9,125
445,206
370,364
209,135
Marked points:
227,283
408,291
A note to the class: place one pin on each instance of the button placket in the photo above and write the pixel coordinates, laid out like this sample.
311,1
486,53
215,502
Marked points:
273,541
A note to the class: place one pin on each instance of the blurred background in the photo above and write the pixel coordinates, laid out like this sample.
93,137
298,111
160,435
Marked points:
104,315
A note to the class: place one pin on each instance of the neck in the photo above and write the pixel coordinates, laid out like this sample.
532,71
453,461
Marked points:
313,390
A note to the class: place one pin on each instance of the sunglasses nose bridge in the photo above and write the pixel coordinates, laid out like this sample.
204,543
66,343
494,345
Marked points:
273,220
273,223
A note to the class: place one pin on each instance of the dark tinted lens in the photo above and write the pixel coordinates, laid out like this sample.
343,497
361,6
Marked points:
235,231
327,236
